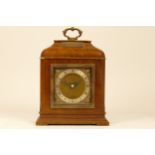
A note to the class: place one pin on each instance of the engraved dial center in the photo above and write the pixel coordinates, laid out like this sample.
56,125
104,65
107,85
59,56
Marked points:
72,85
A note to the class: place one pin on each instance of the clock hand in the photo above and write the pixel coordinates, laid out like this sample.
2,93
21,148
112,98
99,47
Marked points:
72,84
67,83
76,83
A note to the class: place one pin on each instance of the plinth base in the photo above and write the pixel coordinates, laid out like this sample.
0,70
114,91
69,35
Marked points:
72,120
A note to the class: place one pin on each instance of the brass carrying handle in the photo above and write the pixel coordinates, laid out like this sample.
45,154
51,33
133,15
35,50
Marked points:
72,29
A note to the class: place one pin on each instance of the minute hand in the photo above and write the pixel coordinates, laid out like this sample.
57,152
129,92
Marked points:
76,83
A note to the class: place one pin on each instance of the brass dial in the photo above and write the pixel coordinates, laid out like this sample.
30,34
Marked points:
72,86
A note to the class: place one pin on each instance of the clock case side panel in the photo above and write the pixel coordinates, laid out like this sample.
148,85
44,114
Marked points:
44,86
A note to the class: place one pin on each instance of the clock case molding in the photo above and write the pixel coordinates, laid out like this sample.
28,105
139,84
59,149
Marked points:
72,51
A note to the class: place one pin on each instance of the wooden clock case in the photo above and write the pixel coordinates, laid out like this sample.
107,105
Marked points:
72,51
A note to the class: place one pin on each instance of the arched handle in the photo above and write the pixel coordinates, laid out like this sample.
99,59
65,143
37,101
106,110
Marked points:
72,29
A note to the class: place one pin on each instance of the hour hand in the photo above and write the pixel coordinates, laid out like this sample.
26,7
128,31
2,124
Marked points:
67,83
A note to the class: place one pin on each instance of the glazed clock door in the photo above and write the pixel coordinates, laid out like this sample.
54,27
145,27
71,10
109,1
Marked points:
72,85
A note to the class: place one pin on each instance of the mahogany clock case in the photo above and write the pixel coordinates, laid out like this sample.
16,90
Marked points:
72,52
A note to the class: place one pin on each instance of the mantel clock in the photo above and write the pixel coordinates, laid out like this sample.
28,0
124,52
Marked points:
72,83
